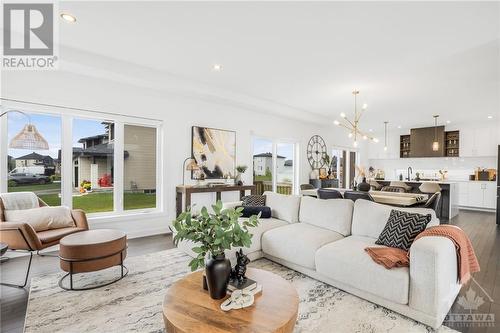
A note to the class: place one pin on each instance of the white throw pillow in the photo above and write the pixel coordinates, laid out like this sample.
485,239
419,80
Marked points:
42,218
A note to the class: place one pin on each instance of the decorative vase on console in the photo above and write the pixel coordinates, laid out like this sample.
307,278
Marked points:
224,233
240,169
364,186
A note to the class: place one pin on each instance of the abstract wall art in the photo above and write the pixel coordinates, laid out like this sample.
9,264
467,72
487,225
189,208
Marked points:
214,151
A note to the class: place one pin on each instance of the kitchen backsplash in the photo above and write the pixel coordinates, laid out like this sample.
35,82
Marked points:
458,168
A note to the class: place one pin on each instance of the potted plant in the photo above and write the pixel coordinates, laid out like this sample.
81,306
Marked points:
240,169
213,233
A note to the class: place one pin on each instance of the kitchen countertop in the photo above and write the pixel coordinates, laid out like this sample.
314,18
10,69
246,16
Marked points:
419,182
448,181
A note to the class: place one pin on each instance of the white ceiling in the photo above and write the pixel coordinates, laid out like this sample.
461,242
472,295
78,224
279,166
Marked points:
409,60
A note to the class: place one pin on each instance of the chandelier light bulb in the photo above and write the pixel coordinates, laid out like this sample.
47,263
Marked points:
375,140
350,135
365,106
385,148
336,122
355,144
343,115
365,137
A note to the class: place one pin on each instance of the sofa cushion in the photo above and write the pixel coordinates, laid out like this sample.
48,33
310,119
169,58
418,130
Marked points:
42,218
283,207
346,261
369,218
335,215
402,228
53,235
297,243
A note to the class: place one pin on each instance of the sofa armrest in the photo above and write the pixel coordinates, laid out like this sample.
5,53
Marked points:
19,236
80,218
229,205
433,276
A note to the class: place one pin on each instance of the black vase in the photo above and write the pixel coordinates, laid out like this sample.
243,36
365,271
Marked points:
218,271
364,186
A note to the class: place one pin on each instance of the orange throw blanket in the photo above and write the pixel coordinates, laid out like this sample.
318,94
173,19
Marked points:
466,258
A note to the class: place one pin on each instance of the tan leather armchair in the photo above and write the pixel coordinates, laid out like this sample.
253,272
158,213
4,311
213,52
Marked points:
22,236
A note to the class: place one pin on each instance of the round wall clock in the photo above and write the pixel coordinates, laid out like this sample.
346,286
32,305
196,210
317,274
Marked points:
316,150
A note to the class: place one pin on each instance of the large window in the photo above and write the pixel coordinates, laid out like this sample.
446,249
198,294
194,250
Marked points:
104,164
139,167
32,169
274,166
93,155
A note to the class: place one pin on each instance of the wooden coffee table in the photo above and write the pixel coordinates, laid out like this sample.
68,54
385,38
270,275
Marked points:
189,308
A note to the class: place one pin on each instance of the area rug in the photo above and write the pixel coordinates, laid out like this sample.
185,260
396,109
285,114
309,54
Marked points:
134,304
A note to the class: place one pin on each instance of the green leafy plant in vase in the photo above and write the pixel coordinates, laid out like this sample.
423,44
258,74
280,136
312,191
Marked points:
213,234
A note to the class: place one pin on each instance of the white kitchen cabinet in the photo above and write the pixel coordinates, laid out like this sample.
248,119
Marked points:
478,141
479,195
490,195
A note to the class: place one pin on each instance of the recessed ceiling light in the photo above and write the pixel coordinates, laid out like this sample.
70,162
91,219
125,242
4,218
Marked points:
448,121
399,126
370,130
490,117
217,67
68,17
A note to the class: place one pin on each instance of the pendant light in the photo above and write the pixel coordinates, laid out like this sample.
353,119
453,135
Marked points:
28,138
385,135
435,144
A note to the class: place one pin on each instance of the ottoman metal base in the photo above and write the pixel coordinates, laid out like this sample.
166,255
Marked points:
123,272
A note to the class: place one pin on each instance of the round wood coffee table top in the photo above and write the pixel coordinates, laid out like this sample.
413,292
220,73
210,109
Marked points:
189,308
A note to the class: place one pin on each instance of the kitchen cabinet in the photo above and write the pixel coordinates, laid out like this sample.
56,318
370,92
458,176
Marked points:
477,195
478,141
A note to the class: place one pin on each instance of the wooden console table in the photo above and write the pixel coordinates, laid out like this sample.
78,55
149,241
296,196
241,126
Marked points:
187,191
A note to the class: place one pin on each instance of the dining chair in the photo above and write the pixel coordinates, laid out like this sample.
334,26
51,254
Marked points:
329,194
355,195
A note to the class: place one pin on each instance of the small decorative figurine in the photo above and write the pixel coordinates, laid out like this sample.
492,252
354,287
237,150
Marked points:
238,273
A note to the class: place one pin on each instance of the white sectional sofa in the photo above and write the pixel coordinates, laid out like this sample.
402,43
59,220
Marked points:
325,239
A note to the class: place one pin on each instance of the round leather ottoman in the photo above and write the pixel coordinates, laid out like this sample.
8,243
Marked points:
90,251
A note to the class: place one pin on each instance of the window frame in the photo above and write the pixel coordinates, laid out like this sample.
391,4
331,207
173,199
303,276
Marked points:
67,116
275,142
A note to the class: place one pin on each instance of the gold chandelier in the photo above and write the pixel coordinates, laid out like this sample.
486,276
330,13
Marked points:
353,126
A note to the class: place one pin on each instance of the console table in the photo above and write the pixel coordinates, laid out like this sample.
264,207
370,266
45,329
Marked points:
187,191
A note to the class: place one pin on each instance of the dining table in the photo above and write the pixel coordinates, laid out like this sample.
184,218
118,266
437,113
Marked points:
388,198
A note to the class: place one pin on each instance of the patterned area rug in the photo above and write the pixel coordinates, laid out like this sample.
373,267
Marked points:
134,304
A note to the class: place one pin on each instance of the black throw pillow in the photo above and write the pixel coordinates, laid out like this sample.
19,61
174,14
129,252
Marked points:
250,210
253,200
402,228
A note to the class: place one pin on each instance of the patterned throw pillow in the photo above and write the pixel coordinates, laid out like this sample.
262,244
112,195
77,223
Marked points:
402,228
253,201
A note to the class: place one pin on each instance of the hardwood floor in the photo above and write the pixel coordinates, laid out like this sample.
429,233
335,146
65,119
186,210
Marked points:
481,228
13,301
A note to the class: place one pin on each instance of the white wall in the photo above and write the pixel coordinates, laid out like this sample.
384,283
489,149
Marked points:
179,113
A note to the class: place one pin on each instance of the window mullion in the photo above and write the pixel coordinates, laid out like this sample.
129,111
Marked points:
67,161
118,166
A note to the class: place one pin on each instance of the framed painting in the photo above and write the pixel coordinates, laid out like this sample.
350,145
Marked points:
214,150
